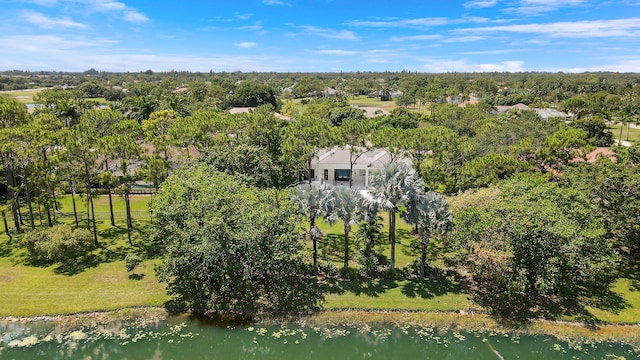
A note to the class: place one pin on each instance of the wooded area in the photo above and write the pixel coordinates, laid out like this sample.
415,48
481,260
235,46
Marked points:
559,230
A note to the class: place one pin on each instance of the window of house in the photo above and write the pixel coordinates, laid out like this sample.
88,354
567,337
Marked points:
326,174
342,174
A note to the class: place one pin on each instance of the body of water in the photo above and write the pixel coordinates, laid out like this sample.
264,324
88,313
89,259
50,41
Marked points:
183,338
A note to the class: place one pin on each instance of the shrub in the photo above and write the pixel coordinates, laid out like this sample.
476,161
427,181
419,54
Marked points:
60,243
394,274
349,273
328,269
131,261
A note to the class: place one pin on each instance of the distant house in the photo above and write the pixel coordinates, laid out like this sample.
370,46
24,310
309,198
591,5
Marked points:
332,166
546,113
176,155
241,110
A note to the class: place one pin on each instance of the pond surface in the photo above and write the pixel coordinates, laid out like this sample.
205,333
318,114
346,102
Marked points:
182,338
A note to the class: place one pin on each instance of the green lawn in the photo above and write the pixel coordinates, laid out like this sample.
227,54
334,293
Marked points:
23,96
101,282
634,133
375,102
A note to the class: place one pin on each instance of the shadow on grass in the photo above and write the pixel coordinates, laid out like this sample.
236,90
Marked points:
136,276
331,247
76,266
6,247
429,288
113,246
369,287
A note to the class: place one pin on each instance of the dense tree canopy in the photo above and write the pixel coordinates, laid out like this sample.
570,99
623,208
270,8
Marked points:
229,246
539,251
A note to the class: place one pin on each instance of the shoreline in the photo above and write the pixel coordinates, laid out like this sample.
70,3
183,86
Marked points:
628,334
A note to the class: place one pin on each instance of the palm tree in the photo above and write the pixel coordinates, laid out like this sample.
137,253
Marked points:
392,186
343,205
371,224
430,213
311,201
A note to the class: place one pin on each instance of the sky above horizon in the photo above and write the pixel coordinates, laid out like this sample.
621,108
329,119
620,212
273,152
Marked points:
320,35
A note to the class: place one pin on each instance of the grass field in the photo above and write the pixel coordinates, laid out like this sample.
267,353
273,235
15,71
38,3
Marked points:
375,102
634,133
23,96
101,282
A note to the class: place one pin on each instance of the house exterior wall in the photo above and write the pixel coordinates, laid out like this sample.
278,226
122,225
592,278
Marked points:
360,174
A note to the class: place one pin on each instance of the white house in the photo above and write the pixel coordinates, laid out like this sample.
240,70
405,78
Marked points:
332,166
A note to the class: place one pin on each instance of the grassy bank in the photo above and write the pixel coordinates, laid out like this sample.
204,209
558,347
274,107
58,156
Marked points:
101,282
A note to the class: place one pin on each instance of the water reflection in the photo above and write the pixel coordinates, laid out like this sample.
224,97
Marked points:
190,337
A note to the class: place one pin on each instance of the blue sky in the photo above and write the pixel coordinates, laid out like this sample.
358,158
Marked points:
321,35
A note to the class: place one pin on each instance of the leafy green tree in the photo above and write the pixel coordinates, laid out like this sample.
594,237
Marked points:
355,135
303,140
253,94
490,169
230,247
59,243
132,260
392,186
80,141
614,187
338,115
252,163
597,130
123,145
563,146
540,251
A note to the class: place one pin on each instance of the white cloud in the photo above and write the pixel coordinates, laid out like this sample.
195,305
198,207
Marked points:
416,38
461,39
128,13
44,2
480,4
43,43
577,29
245,44
257,26
135,16
330,33
412,23
243,16
336,52
275,2
418,23
50,23
538,7
443,66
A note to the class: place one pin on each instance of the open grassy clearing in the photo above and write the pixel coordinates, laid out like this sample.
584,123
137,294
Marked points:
363,100
23,96
101,282
634,133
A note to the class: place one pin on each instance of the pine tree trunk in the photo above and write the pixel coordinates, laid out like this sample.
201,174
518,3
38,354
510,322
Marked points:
73,201
29,204
392,237
90,204
93,219
113,220
129,222
6,225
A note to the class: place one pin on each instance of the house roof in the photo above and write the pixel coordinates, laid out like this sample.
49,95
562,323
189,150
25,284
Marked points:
546,113
243,110
374,158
